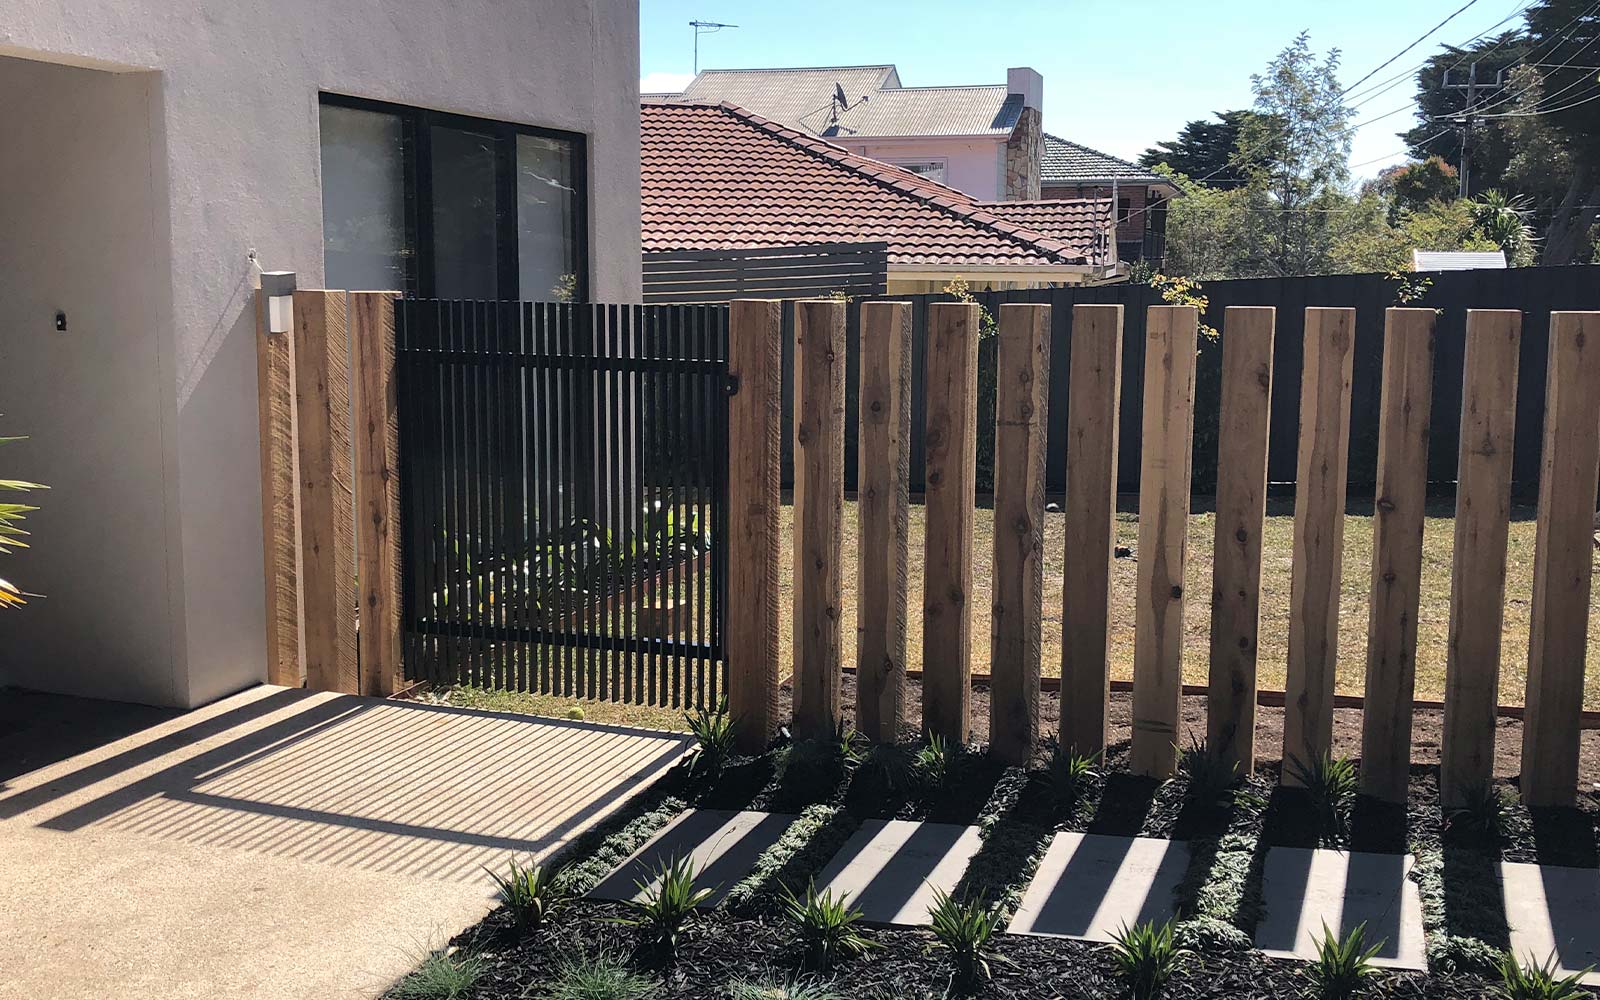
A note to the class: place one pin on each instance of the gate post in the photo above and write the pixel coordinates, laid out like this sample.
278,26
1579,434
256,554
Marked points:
280,493
377,488
755,367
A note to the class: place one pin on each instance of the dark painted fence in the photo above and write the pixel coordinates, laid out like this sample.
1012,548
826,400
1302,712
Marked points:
1534,290
794,272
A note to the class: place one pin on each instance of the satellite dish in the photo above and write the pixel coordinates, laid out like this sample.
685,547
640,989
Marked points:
838,95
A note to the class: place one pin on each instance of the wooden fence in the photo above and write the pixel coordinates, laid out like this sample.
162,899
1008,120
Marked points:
700,276
1252,367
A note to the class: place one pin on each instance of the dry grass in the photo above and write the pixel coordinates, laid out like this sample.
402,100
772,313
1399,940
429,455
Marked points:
1433,617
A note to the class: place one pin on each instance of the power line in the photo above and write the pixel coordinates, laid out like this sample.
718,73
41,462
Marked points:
1394,81
1418,41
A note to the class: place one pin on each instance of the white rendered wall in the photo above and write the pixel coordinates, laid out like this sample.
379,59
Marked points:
230,119
974,166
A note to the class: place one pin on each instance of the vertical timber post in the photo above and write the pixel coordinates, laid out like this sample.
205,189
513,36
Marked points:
1243,424
1319,496
280,500
1164,477
377,461
755,366
327,521
819,363
1022,392
951,463
1094,392
1478,578
1403,408
882,506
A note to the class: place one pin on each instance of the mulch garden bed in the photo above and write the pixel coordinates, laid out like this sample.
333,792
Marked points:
833,791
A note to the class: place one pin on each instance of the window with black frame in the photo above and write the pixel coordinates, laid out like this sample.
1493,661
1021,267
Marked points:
447,206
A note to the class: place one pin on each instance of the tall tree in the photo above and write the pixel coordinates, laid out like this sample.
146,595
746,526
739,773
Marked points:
1440,100
1204,150
1301,136
1566,35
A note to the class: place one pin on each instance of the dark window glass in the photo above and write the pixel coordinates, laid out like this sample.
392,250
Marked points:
466,251
547,252
364,240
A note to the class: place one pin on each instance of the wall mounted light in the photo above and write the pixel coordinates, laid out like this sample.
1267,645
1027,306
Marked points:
278,287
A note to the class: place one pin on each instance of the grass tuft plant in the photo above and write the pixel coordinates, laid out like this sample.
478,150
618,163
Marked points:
1070,774
1146,957
442,975
796,988
1211,778
1484,813
827,925
964,928
1534,981
530,894
667,904
1343,965
713,734
1332,783
933,761
602,977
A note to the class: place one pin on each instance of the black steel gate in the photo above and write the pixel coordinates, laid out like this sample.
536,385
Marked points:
563,497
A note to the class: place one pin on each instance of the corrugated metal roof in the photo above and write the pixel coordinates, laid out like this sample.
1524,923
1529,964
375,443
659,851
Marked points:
1457,260
1068,162
804,98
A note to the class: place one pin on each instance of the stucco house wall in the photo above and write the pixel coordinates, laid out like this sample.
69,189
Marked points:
151,144
975,166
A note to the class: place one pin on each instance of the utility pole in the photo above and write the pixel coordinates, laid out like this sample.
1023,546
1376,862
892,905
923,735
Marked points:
1471,87
708,28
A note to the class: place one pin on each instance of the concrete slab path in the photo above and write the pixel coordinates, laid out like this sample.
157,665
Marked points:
1304,889
1089,886
890,869
723,846
1554,911
286,844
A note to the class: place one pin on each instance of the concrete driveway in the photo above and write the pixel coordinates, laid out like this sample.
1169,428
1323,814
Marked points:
277,843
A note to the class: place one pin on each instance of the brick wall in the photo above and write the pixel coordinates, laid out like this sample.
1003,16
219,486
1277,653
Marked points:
1133,197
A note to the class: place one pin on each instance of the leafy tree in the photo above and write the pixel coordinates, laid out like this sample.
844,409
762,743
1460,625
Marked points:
1368,241
1300,133
1417,184
1209,230
1503,221
1437,134
1204,150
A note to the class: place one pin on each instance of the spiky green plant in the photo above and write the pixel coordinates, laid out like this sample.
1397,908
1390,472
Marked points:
713,734
1070,774
1534,981
666,902
529,893
1342,965
441,975
11,532
1485,811
602,977
933,761
964,928
1332,783
1146,957
827,925
794,988
1211,777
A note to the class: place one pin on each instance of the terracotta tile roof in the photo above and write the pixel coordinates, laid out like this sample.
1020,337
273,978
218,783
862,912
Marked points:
1068,162
714,176
1065,219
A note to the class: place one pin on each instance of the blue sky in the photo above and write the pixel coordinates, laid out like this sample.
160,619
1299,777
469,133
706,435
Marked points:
1118,76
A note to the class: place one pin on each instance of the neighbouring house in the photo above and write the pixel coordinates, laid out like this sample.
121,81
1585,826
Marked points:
158,154
1072,170
715,176
1458,260
983,140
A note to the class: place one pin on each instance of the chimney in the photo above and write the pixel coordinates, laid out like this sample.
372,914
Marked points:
1025,146
1027,82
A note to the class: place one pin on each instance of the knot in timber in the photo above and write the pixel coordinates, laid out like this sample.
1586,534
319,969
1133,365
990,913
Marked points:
1386,505
1023,524
1241,536
802,434
1177,591
876,406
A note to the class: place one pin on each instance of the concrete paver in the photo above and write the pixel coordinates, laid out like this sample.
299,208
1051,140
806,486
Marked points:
723,846
890,869
1089,886
1304,889
1554,911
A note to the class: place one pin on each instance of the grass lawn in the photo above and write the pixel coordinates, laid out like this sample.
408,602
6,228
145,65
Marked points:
1433,618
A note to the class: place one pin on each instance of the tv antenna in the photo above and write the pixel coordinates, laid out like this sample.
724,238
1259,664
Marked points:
704,28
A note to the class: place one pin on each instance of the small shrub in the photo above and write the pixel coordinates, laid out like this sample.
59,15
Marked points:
964,928
1537,982
713,733
850,746
1146,956
599,978
442,975
1210,776
1342,965
1332,783
1484,813
529,893
797,988
660,915
933,761
827,925
1070,774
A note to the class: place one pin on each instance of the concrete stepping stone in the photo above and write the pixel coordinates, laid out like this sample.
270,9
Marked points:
1554,911
1304,888
724,846
890,869
1089,885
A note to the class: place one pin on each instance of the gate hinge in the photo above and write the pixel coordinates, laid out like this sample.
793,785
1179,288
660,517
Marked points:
733,384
